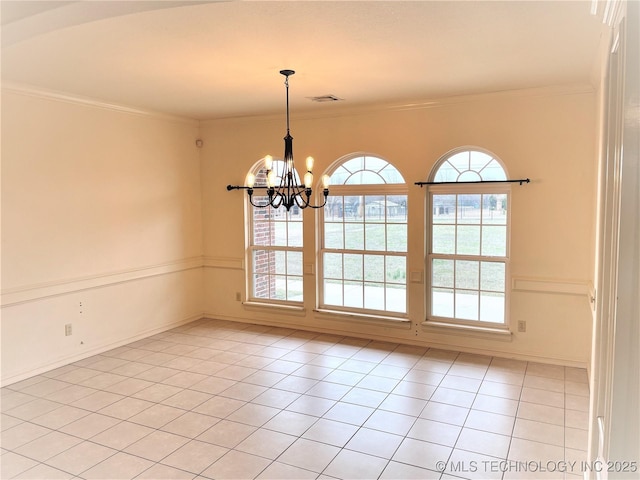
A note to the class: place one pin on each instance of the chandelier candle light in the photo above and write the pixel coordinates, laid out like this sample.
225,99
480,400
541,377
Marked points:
289,192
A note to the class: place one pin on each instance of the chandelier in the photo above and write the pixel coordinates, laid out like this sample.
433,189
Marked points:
289,191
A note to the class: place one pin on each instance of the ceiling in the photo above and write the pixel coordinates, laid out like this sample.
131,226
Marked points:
213,59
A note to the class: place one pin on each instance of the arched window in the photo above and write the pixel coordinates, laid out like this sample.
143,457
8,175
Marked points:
275,247
363,254
468,247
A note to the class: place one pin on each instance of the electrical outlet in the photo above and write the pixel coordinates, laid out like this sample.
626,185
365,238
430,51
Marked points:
522,326
68,330
238,297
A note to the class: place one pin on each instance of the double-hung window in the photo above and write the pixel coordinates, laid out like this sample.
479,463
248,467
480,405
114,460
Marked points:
275,248
468,247
363,254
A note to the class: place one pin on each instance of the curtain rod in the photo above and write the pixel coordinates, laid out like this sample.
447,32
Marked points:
520,181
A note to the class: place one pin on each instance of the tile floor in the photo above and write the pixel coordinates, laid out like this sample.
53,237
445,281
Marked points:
216,400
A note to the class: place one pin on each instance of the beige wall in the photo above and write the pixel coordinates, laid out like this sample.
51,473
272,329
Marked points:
546,135
101,228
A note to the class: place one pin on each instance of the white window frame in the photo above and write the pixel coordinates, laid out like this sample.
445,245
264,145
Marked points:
252,247
467,188
352,190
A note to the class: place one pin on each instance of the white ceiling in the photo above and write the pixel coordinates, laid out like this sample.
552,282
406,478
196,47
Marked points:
214,59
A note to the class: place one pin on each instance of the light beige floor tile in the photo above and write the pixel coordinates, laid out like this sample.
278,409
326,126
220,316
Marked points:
102,380
503,406
59,417
296,384
364,397
542,397
576,438
424,376
12,399
441,412
195,456
12,464
380,384
309,455
328,390
33,409
344,377
266,443
97,401
43,472
485,443
276,398
490,422
157,416
226,433
543,413
190,424
544,383
156,445
539,432
502,390
374,442
349,413
21,434
435,432
311,405
126,408
71,394
453,397
576,388
47,446
252,414
505,377
81,457
330,432
121,435
157,392
164,472
282,471
357,366
396,471
474,466
407,405
237,465
524,450
475,373
129,386
264,378
7,421
220,407
545,370
187,399
244,391
576,419
120,466
421,454
355,465
576,402
414,389
314,372
390,422
213,385
290,422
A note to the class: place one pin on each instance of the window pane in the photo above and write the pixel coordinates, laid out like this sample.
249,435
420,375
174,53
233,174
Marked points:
364,177
492,307
493,171
375,235
353,294
444,239
333,292
442,302
479,160
397,238
353,267
492,276
281,288
295,234
353,209
374,268
397,208
469,210
262,231
467,274
354,236
444,207
446,173
279,262
494,209
466,305
374,296
375,208
468,241
262,285
469,176
442,273
280,234
391,175
332,264
396,298
460,161
396,270
494,241
294,263
294,289
263,261
333,235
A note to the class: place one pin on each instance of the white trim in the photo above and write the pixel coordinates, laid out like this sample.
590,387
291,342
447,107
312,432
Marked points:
559,286
28,293
45,94
466,330
224,262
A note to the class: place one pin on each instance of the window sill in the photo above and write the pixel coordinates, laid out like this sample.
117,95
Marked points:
447,328
400,322
297,310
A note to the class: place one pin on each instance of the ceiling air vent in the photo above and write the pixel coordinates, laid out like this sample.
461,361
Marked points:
326,98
